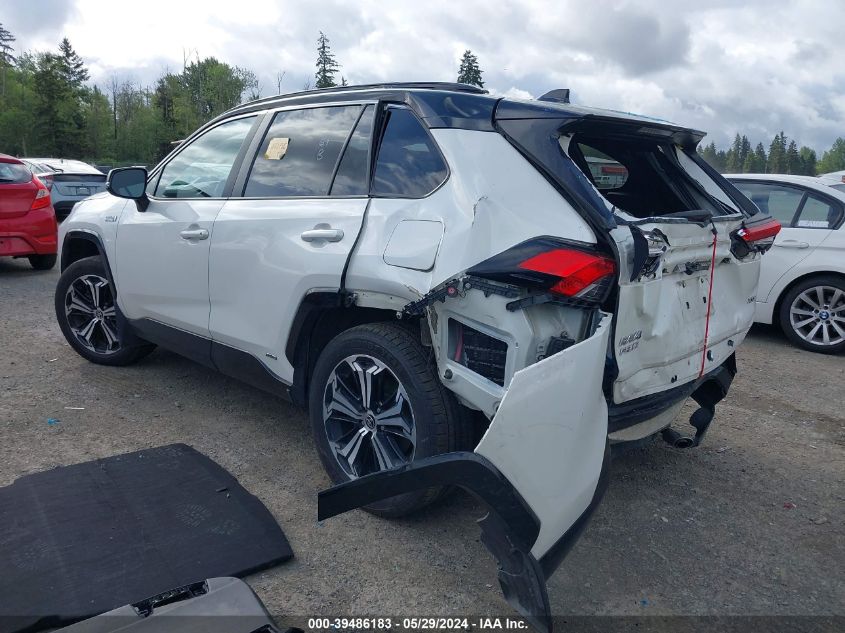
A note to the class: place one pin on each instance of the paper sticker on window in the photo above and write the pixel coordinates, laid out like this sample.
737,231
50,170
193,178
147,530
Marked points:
277,148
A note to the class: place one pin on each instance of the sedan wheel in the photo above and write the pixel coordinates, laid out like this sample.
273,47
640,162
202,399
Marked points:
812,314
817,315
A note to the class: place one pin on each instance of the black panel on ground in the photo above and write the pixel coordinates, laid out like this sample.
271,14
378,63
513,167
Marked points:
83,539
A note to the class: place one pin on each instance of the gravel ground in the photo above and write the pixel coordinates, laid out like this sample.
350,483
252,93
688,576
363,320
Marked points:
750,523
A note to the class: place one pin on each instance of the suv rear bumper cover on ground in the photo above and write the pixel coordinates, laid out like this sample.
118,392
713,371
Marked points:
508,530
511,527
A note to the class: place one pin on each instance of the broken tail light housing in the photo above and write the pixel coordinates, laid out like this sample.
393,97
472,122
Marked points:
566,269
755,235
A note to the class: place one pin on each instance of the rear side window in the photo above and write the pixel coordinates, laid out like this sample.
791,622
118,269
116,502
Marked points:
202,168
14,174
818,213
778,201
409,165
351,178
299,152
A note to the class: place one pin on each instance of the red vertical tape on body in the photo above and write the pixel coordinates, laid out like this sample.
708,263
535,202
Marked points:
709,304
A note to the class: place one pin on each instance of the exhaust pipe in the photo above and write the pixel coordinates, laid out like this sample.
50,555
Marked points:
676,440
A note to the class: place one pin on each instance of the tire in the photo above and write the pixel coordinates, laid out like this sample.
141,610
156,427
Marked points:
87,315
812,314
42,262
397,363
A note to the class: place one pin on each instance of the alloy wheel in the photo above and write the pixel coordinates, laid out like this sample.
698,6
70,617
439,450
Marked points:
368,418
817,315
91,314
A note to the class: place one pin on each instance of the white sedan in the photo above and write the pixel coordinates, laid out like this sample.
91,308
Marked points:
802,279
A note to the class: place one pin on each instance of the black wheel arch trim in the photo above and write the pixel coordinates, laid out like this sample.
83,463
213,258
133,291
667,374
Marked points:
125,332
227,360
509,529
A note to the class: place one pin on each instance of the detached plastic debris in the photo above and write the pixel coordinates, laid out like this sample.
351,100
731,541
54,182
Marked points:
53,421
217,605
789,505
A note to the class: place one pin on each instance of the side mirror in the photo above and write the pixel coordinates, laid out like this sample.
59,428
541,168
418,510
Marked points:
129,182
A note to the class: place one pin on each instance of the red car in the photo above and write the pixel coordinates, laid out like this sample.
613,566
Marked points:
27,220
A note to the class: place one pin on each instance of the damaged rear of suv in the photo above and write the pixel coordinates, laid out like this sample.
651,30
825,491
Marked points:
463,290
600,274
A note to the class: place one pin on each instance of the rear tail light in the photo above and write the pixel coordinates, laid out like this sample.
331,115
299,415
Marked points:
572,271
47,180
42,195
755,235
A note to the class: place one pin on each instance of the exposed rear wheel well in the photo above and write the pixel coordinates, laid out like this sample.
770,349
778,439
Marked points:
776,313
317,322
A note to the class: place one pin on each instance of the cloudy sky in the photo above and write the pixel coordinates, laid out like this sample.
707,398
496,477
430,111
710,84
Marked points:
757,66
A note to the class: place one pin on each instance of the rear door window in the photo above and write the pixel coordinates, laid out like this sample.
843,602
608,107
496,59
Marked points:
300,151
352,174
409,164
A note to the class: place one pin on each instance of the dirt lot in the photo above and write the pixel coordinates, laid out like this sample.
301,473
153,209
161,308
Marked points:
749,523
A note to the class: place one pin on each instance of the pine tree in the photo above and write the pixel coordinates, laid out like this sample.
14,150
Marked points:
834,158
75,71
708,153
470,72
750,164
808,161
745,148
760,158
6,49
777,154
793,159
7,59
735,157
327,65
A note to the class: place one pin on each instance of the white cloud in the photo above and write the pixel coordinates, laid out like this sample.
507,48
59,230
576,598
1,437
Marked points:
756,67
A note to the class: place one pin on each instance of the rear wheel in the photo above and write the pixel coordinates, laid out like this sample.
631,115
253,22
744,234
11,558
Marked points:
87,314
376,404
812,314
42,262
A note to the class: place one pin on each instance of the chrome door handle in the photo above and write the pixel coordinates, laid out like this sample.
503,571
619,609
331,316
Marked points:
326,235
792,244
194,234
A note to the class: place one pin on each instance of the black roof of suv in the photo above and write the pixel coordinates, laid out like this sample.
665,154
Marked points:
456,105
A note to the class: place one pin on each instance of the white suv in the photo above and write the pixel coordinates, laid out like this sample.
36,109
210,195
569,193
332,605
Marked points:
424,265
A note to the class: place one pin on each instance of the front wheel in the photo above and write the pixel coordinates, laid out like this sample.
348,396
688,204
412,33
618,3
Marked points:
376,403
87,314
812,314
